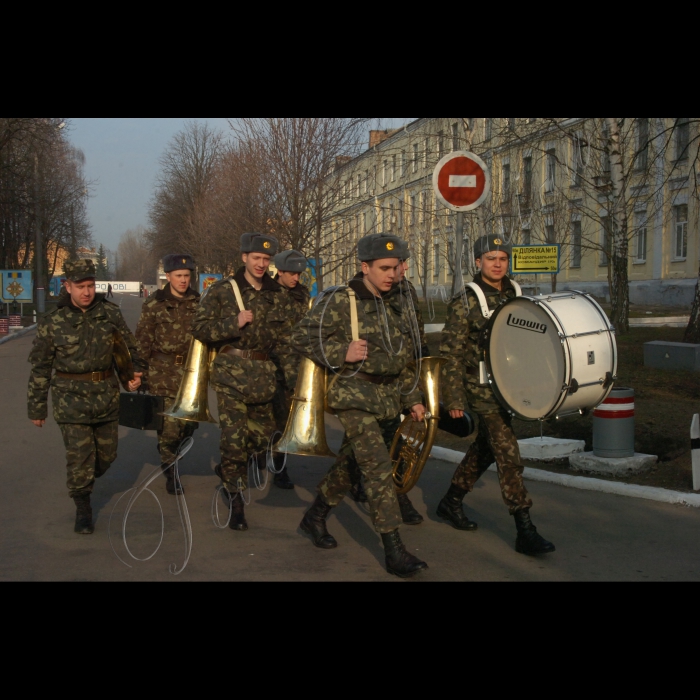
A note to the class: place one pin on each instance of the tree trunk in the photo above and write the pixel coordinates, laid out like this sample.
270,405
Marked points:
554,284
692,332
619,277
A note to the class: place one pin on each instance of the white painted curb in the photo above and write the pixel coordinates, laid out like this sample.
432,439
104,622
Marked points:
649,493
18,334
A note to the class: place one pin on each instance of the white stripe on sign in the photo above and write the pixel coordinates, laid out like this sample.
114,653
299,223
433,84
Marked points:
462,180
612,407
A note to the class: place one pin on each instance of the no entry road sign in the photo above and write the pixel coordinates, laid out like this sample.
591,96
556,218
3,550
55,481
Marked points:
535,259
462,181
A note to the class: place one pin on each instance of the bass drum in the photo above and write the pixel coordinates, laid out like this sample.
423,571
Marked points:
551,356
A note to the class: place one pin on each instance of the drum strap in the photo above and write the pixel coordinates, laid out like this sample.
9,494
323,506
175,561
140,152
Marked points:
485,311
237,294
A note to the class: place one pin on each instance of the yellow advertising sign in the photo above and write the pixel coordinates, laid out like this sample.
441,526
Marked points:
535,259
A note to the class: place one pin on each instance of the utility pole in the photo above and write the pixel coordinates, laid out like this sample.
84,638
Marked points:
457,278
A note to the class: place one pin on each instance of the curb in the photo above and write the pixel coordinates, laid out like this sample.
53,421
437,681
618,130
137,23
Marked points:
650,493
19,334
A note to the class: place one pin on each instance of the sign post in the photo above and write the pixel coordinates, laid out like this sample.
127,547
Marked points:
462,183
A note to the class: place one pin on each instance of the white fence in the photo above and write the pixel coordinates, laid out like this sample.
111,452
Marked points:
118,287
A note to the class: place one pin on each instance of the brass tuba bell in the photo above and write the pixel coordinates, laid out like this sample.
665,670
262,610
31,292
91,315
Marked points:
192,401
414,440
305,433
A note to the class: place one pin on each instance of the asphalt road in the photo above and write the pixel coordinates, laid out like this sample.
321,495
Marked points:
599,537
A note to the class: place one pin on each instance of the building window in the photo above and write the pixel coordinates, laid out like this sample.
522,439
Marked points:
365,186
415,158
605,240
640,238
393,168
551,170
358,189
423,206
488,128
550,234
576,244
392,216
441,144
403,163
426,153
682,129
642,144
527,180
400,213
413,210
436,260
505,181
606,149
577,161
680,241
385,173
455,137
526,236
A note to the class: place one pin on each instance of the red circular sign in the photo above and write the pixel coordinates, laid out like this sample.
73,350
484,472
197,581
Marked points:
462,181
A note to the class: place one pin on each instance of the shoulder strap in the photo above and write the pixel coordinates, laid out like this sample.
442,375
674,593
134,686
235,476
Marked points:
237,294
485,311
518,289
354,324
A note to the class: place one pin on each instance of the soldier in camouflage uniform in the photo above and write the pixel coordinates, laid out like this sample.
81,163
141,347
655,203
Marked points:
75,343
368,378
290,265
463,345
163,334
243,374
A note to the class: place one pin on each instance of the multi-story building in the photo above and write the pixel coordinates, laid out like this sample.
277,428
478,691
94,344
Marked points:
553,181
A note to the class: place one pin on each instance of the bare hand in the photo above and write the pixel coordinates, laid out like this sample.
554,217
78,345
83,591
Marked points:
357,351
457,414
135,383
244,318
39,423
418,412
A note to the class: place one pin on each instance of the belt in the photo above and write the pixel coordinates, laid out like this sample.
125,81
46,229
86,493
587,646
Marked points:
87,377
175,359
374,378
246,354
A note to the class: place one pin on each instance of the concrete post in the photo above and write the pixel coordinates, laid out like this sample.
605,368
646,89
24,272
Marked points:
695,450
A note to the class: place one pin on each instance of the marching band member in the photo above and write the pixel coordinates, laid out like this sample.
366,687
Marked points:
460,387
290,265
77,341
163,334
247,330
366,394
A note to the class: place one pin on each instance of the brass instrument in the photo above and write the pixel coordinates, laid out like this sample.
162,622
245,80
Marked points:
192,401
414,439
122,359
305,433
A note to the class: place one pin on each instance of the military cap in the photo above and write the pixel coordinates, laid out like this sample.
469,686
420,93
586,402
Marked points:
259,243
79,270
376,246
178,262
491,244
290,261
405,253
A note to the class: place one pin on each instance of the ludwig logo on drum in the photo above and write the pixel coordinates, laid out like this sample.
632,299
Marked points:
527,325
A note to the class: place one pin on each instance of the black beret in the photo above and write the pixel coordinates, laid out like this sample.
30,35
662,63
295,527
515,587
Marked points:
290,261
376,246
178,262
491,244
259,243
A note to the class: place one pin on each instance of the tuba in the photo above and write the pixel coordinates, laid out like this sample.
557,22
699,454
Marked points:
122,359
305,433
192,401
414,440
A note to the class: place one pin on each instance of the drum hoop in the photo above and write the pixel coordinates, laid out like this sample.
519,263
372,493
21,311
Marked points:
567,362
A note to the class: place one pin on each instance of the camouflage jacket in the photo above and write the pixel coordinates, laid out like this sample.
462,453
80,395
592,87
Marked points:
328,326
70,341
286,357
216,323
164,329
460,346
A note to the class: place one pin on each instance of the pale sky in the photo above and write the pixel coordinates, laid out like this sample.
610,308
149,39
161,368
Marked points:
122,161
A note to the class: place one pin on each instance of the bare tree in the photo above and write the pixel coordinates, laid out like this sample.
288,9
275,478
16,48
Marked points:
136,261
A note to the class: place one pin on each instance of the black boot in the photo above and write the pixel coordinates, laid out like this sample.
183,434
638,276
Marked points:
529,541
83,515
281,480
409,514
172,485
314,524
398,561
238,521
357,493
450,509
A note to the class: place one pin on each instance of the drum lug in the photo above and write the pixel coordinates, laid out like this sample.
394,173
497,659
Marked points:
609,379
573,387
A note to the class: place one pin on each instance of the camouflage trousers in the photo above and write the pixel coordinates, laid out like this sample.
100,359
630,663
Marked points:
495,442
281,405
90,451
366,447
173,433
246,429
